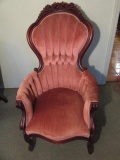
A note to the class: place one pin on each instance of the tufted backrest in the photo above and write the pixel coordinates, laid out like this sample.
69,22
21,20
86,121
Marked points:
59,38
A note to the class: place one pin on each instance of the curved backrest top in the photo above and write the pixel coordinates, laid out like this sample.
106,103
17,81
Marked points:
60,35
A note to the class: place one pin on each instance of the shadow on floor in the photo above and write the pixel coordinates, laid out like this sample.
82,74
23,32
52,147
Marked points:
105,97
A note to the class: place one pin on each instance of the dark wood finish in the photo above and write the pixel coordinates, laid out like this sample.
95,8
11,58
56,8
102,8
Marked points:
60,7
20,106
3,98
90,147
31,140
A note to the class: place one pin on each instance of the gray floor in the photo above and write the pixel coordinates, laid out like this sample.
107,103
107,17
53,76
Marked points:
107,146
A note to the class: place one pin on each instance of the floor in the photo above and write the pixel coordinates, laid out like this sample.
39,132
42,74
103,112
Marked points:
107,139
114,67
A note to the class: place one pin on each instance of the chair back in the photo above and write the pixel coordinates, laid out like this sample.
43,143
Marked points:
59,38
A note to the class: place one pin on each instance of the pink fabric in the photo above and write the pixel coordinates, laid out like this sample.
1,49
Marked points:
28,91
90,94
35,84
59,75
58,115
59,38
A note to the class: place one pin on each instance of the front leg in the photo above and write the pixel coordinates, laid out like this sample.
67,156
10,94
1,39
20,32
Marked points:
31,140
90,143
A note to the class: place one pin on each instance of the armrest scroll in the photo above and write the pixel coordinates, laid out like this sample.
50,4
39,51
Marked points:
20,105
90,96
25,99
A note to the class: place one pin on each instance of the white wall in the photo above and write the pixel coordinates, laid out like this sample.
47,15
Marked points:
16,57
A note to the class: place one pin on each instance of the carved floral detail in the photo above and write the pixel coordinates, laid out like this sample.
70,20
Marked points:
63,6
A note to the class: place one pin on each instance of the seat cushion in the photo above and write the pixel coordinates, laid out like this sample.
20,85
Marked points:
58,115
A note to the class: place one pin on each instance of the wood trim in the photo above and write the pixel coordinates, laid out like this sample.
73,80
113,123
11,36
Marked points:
111,40
22,124
94,107
3,98
31,138
59,141
55,8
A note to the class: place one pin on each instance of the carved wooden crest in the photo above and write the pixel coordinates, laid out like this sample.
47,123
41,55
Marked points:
55,7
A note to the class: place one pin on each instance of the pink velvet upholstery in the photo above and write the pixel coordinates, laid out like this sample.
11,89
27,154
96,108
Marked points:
60,92
35,84
58,115
59,38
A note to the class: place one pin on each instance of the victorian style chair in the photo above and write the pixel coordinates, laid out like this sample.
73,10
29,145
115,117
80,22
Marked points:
59,97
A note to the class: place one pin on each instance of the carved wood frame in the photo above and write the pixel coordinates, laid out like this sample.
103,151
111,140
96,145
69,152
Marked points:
55,8
31,139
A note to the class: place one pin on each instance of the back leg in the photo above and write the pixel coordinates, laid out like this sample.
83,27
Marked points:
3,98
90,143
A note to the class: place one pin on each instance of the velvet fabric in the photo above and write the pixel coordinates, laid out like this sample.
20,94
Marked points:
60,92
37,83
58,115
59,38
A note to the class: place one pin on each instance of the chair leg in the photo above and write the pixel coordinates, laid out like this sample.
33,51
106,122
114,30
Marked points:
31,140
3,99
90,146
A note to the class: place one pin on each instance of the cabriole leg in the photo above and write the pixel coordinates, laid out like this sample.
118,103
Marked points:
3,98
90,146
31,140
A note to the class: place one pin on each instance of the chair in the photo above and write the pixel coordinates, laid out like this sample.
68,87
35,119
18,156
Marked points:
59,97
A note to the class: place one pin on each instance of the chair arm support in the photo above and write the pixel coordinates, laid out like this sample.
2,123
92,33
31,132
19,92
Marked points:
90,96
26,105
91,93
91,104
26,97
22,124
89,108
